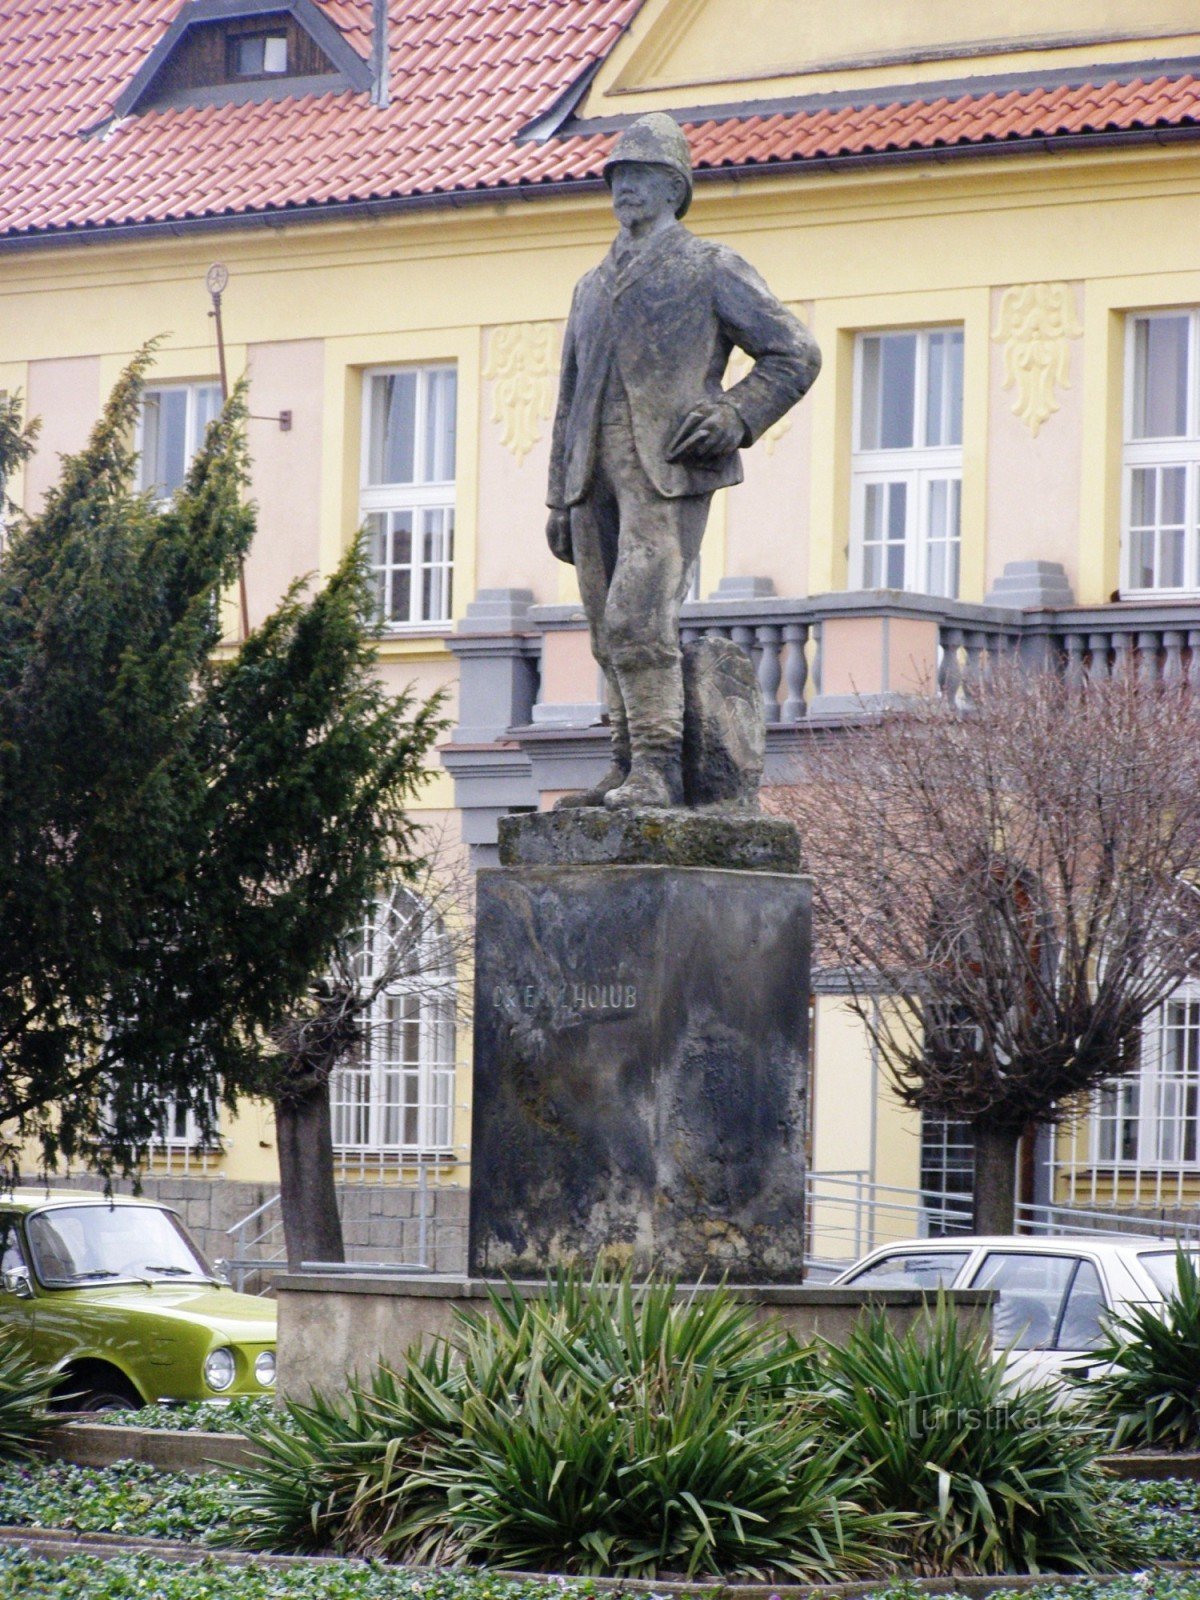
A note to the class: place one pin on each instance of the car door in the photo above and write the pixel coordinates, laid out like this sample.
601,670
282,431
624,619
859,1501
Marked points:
16,1309
1049,1309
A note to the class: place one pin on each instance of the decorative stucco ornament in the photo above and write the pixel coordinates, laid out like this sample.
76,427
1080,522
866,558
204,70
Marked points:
522,365
1036,321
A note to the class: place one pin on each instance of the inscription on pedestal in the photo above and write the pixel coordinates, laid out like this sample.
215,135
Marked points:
640,1043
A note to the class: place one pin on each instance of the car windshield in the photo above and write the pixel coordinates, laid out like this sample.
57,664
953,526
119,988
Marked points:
1160,1264
82,1244
929,1269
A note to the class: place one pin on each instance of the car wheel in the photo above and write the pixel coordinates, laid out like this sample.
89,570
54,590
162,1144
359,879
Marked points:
104,1400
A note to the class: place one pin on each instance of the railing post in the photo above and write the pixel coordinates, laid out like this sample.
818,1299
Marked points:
1172,672
770,668
1122,644
950,679
422,1213
1098,645
1147,657
795,671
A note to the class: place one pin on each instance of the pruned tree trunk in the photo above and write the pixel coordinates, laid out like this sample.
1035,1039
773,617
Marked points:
312,1228
995,1179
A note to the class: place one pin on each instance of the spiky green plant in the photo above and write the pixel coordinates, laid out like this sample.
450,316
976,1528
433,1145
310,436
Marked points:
599,1427
1147,1391
24,1414
1000,1480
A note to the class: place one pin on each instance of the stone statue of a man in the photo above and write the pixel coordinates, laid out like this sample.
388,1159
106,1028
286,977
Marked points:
644,434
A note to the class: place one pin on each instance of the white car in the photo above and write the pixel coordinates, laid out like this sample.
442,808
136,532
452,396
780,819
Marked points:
1053,1294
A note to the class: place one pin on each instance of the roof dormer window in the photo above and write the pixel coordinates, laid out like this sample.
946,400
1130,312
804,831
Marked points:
258,55
217,51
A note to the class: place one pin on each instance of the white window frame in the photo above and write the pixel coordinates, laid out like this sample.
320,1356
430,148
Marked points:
421,499
919,467
377,1088
173,1136
1155,1110
1172,451
193,428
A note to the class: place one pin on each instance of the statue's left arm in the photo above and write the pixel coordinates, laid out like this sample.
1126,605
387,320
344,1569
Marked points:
786,356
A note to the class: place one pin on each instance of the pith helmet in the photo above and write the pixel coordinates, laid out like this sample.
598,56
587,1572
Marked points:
659,139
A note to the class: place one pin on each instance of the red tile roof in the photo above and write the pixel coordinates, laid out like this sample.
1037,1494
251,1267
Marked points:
466,77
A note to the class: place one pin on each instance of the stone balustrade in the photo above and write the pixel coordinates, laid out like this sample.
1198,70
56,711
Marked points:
531,707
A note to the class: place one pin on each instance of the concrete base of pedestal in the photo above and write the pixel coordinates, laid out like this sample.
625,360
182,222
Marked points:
639,1084
335,1324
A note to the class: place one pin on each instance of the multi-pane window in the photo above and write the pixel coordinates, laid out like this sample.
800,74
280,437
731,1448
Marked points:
1152,1118
396,1097
178,1128
1162,453
172,428
947,1173
408,491
907,462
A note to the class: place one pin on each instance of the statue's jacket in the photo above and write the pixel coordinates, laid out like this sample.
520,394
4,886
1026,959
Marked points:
665,324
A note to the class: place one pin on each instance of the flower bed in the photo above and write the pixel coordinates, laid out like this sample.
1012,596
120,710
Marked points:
25,1574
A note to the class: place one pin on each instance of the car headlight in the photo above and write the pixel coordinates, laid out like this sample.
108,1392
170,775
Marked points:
264,1368
219,1370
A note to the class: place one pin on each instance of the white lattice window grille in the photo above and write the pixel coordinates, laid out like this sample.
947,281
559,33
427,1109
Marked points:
171,430
947,1172
1161,479
396,1098
1151,1120
906,468
407,499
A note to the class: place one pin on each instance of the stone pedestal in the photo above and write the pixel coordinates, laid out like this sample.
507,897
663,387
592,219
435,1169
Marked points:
640,1048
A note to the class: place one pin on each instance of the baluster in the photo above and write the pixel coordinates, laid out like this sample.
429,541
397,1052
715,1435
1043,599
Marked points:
1122,656
1098,645
1193,671
1075,644
1147,657
744,637
714,632
975,671
950,679
1173,662
818,660
795,670
688,635
770,667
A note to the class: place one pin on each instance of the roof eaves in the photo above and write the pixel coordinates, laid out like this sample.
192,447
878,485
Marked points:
887,95
194,12
289,213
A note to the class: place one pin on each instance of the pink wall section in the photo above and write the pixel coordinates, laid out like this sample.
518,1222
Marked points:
768,515
65,394
1033,494
512,552
873,655
285,476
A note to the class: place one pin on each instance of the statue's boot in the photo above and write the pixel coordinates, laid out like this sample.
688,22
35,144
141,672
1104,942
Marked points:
654,706
619,770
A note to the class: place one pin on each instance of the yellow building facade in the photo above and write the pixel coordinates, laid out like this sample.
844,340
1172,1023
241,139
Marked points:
1038,290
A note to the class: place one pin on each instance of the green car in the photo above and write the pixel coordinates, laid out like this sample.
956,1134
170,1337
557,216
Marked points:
112,1295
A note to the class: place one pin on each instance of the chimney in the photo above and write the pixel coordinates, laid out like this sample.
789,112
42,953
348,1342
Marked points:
380,63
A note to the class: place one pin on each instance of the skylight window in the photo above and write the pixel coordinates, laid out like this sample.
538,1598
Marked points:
258,55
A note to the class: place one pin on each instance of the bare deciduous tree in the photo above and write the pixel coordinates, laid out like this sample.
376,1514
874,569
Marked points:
1022,876
388,950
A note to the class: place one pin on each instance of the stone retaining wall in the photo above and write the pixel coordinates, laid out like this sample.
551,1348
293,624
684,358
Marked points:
381,1221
